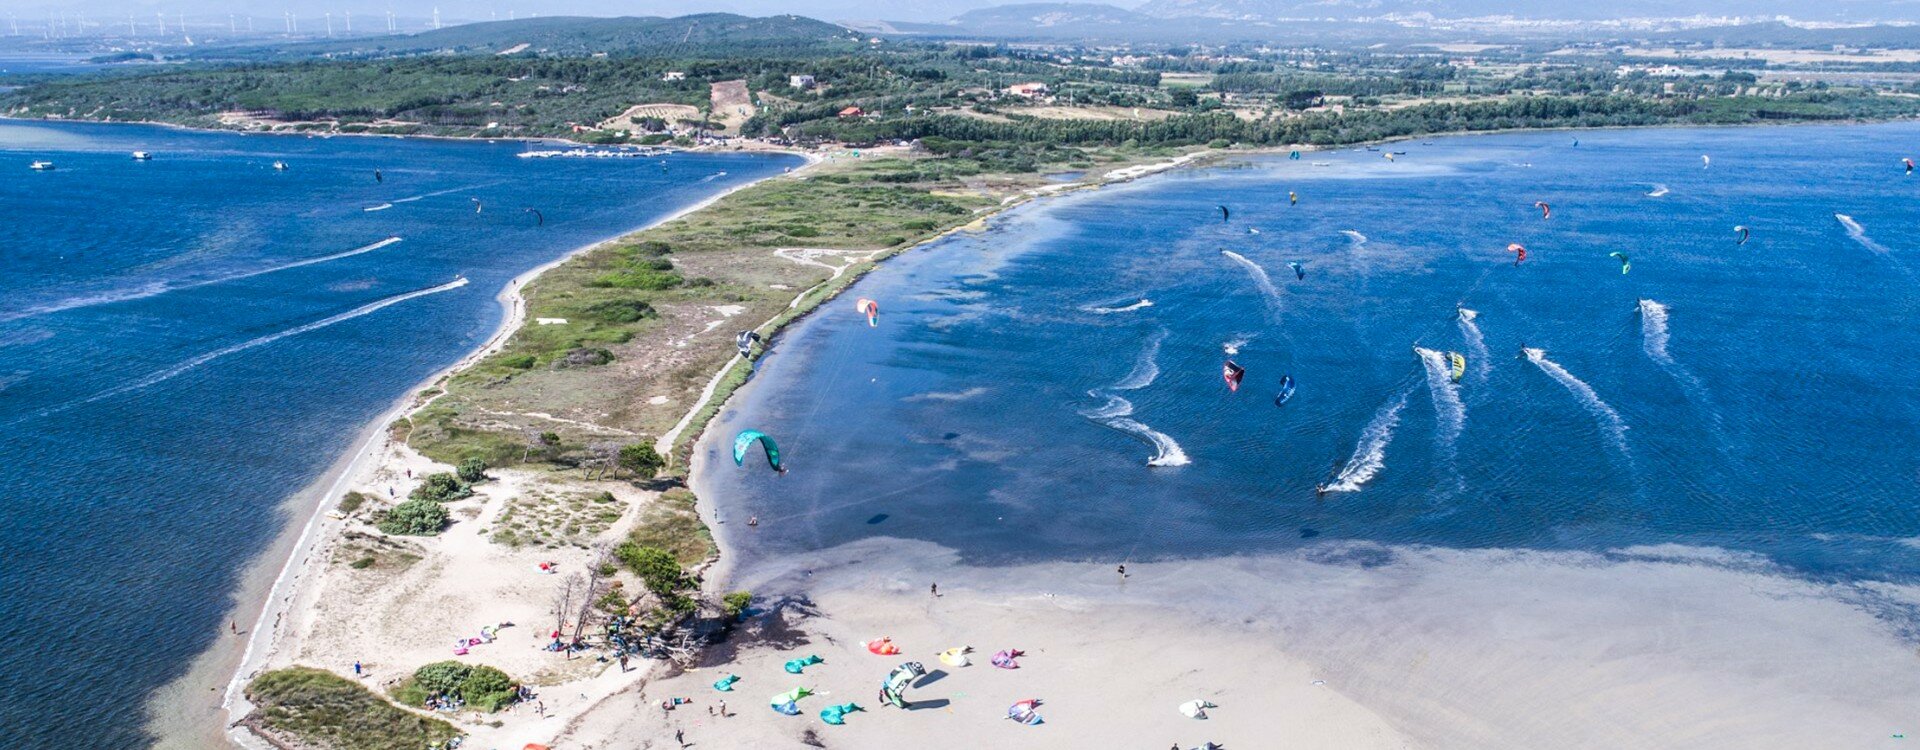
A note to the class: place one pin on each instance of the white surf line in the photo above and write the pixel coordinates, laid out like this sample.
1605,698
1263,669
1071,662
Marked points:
160,288
381,207
1608,419
1447,406
1115,412
1370,453
1260,279
190,364
1476,343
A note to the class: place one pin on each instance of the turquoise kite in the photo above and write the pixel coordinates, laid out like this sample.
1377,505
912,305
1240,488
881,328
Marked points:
837,715
788,702
795,666
1622,257
725,684
894,690
746,439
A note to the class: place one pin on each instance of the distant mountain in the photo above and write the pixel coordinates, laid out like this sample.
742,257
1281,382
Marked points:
1088,22
703,35
1557,10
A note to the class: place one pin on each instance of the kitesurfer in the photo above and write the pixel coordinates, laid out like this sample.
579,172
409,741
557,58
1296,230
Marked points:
1320,490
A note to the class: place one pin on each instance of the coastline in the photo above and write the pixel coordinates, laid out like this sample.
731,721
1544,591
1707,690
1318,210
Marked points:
301,541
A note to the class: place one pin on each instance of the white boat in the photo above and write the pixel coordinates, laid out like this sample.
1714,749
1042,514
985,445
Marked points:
142,156
279,166
43,166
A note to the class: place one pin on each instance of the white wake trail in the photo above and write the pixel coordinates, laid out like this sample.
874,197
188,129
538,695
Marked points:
1115,411
1261,280
1658,191
1451,411
1476,344
159,288
1359,240
1608,419
1370,454
190,364
1653,331
1140,305
1859,234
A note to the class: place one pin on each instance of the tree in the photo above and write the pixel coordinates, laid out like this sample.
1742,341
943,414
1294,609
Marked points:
1183,96
641,459
736,603
473,470
415,517
658,571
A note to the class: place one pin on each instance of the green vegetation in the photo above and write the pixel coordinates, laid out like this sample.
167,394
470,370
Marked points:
544,520
736,603
414,517
443,487
671,523
661,574
352,501
319,709
476,687
472,470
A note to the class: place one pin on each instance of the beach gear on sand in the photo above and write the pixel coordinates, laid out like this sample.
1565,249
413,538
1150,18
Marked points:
1023,712
796,666
883,646
837,714
1008,658
956,656
1196,708
789,702
725,684
894,690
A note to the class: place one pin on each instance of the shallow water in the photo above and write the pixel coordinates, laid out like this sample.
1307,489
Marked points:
186,342
1772,414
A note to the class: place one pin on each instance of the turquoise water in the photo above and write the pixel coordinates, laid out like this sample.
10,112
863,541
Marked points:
1018,387
187,341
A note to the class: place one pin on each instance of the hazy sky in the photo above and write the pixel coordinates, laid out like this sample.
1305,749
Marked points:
904,10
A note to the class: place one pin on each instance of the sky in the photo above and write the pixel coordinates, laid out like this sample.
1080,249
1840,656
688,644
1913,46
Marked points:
482,10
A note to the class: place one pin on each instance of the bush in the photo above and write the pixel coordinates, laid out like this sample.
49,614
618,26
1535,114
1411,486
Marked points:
352,501
641,459
620,311
473,470
518,361
657,569
481,687
639,278
736,603
414,518
440,487
584,357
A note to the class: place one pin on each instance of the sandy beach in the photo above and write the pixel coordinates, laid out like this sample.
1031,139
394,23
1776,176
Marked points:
1345,645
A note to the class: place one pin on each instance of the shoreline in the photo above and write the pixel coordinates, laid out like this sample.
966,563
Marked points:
303,540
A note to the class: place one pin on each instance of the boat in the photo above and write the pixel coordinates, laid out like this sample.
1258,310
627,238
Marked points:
279,166
42,166
142,156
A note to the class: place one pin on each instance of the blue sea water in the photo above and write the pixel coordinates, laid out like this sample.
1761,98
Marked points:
1018,385
188,341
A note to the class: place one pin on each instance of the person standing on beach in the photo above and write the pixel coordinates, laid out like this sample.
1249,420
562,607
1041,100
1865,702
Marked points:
934,589
723,708
356,669
1123,571
233,626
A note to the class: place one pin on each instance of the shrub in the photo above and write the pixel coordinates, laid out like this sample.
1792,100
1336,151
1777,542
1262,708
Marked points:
487,689
440,487
641,278
362,563
414,518
736,603
473,470
657,569
584,357
620,311
518,361
481,687
352,501
641,459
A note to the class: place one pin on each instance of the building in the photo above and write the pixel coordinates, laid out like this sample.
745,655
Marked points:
853,112
673,75
1033,90
802,81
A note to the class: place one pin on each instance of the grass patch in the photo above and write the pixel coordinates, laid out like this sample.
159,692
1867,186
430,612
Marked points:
320,709
672,524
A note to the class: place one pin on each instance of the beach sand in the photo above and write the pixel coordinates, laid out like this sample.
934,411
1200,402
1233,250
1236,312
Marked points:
1340,645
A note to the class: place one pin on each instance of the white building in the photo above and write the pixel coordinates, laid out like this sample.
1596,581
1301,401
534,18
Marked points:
802,81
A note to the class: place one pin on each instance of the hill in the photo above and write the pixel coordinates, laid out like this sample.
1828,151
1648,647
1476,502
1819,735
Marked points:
706,35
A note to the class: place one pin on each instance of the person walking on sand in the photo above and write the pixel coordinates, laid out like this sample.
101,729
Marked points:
934,589
233,626
1123,571
680,737
356,669
723,708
